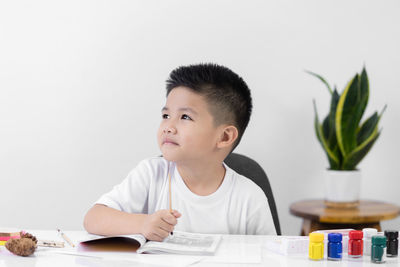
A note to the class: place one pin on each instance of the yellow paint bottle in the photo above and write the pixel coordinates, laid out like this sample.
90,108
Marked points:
316,247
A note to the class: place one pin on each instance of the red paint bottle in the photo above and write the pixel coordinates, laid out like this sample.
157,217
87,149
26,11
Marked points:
355,244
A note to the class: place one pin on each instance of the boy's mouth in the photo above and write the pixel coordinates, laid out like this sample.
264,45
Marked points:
167,141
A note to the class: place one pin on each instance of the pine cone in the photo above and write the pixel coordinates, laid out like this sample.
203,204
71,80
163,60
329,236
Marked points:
22,246
28,235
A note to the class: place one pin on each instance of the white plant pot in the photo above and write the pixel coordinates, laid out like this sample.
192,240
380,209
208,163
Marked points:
342,188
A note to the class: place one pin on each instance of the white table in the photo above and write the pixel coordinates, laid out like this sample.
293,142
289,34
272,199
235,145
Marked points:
234,250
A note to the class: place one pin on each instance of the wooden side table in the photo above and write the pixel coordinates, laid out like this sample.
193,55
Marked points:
318,217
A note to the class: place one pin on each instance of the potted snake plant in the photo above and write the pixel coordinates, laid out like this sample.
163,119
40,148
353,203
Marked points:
346,139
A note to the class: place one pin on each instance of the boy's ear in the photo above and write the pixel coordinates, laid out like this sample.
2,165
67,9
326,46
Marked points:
228,136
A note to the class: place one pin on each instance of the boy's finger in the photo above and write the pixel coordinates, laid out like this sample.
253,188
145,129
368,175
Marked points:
166,227
176,213
161,233
155,237
169,218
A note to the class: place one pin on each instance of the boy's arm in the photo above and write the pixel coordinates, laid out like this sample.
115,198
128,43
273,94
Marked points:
103,220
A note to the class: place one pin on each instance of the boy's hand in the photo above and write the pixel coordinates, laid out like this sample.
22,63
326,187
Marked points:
158,225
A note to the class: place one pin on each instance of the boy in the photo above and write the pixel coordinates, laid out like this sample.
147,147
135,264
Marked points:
207,110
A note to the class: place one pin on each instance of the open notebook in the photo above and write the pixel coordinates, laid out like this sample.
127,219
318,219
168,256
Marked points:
178,243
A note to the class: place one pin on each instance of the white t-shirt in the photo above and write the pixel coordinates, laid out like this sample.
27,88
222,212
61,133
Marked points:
238,206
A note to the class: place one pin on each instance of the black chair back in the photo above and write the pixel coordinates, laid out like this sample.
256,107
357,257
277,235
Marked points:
252,170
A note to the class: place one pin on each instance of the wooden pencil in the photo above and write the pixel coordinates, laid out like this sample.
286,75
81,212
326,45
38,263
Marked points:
66,238
170,195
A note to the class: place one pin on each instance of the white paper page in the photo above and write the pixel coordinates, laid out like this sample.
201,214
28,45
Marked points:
184,243
235,253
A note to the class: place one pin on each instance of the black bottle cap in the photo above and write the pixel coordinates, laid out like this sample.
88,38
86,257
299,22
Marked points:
391,234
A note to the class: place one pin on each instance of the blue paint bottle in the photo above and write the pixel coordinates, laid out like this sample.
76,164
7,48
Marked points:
335,246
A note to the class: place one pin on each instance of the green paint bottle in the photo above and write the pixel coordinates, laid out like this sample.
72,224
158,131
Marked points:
378,251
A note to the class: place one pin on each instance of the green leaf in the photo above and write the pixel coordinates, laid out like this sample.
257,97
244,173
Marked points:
316,123
333,160
328,128
383,111
322,79
348,116
364,90
350,162
332,141
336,151
367,128
363,94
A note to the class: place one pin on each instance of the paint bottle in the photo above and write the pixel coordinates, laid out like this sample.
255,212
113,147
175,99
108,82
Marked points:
316,246
392,244
368,233
378,246
335,246
355,249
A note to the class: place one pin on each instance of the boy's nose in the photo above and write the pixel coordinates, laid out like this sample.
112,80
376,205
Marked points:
170,129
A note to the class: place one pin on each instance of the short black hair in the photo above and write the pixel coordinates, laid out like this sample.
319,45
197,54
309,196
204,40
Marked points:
226,93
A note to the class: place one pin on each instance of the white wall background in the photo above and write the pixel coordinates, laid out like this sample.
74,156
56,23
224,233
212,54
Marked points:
82,84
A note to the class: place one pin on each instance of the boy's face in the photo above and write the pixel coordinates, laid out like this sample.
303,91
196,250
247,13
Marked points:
187,131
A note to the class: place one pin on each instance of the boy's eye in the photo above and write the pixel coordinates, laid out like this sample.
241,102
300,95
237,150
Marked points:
165,116
186,117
